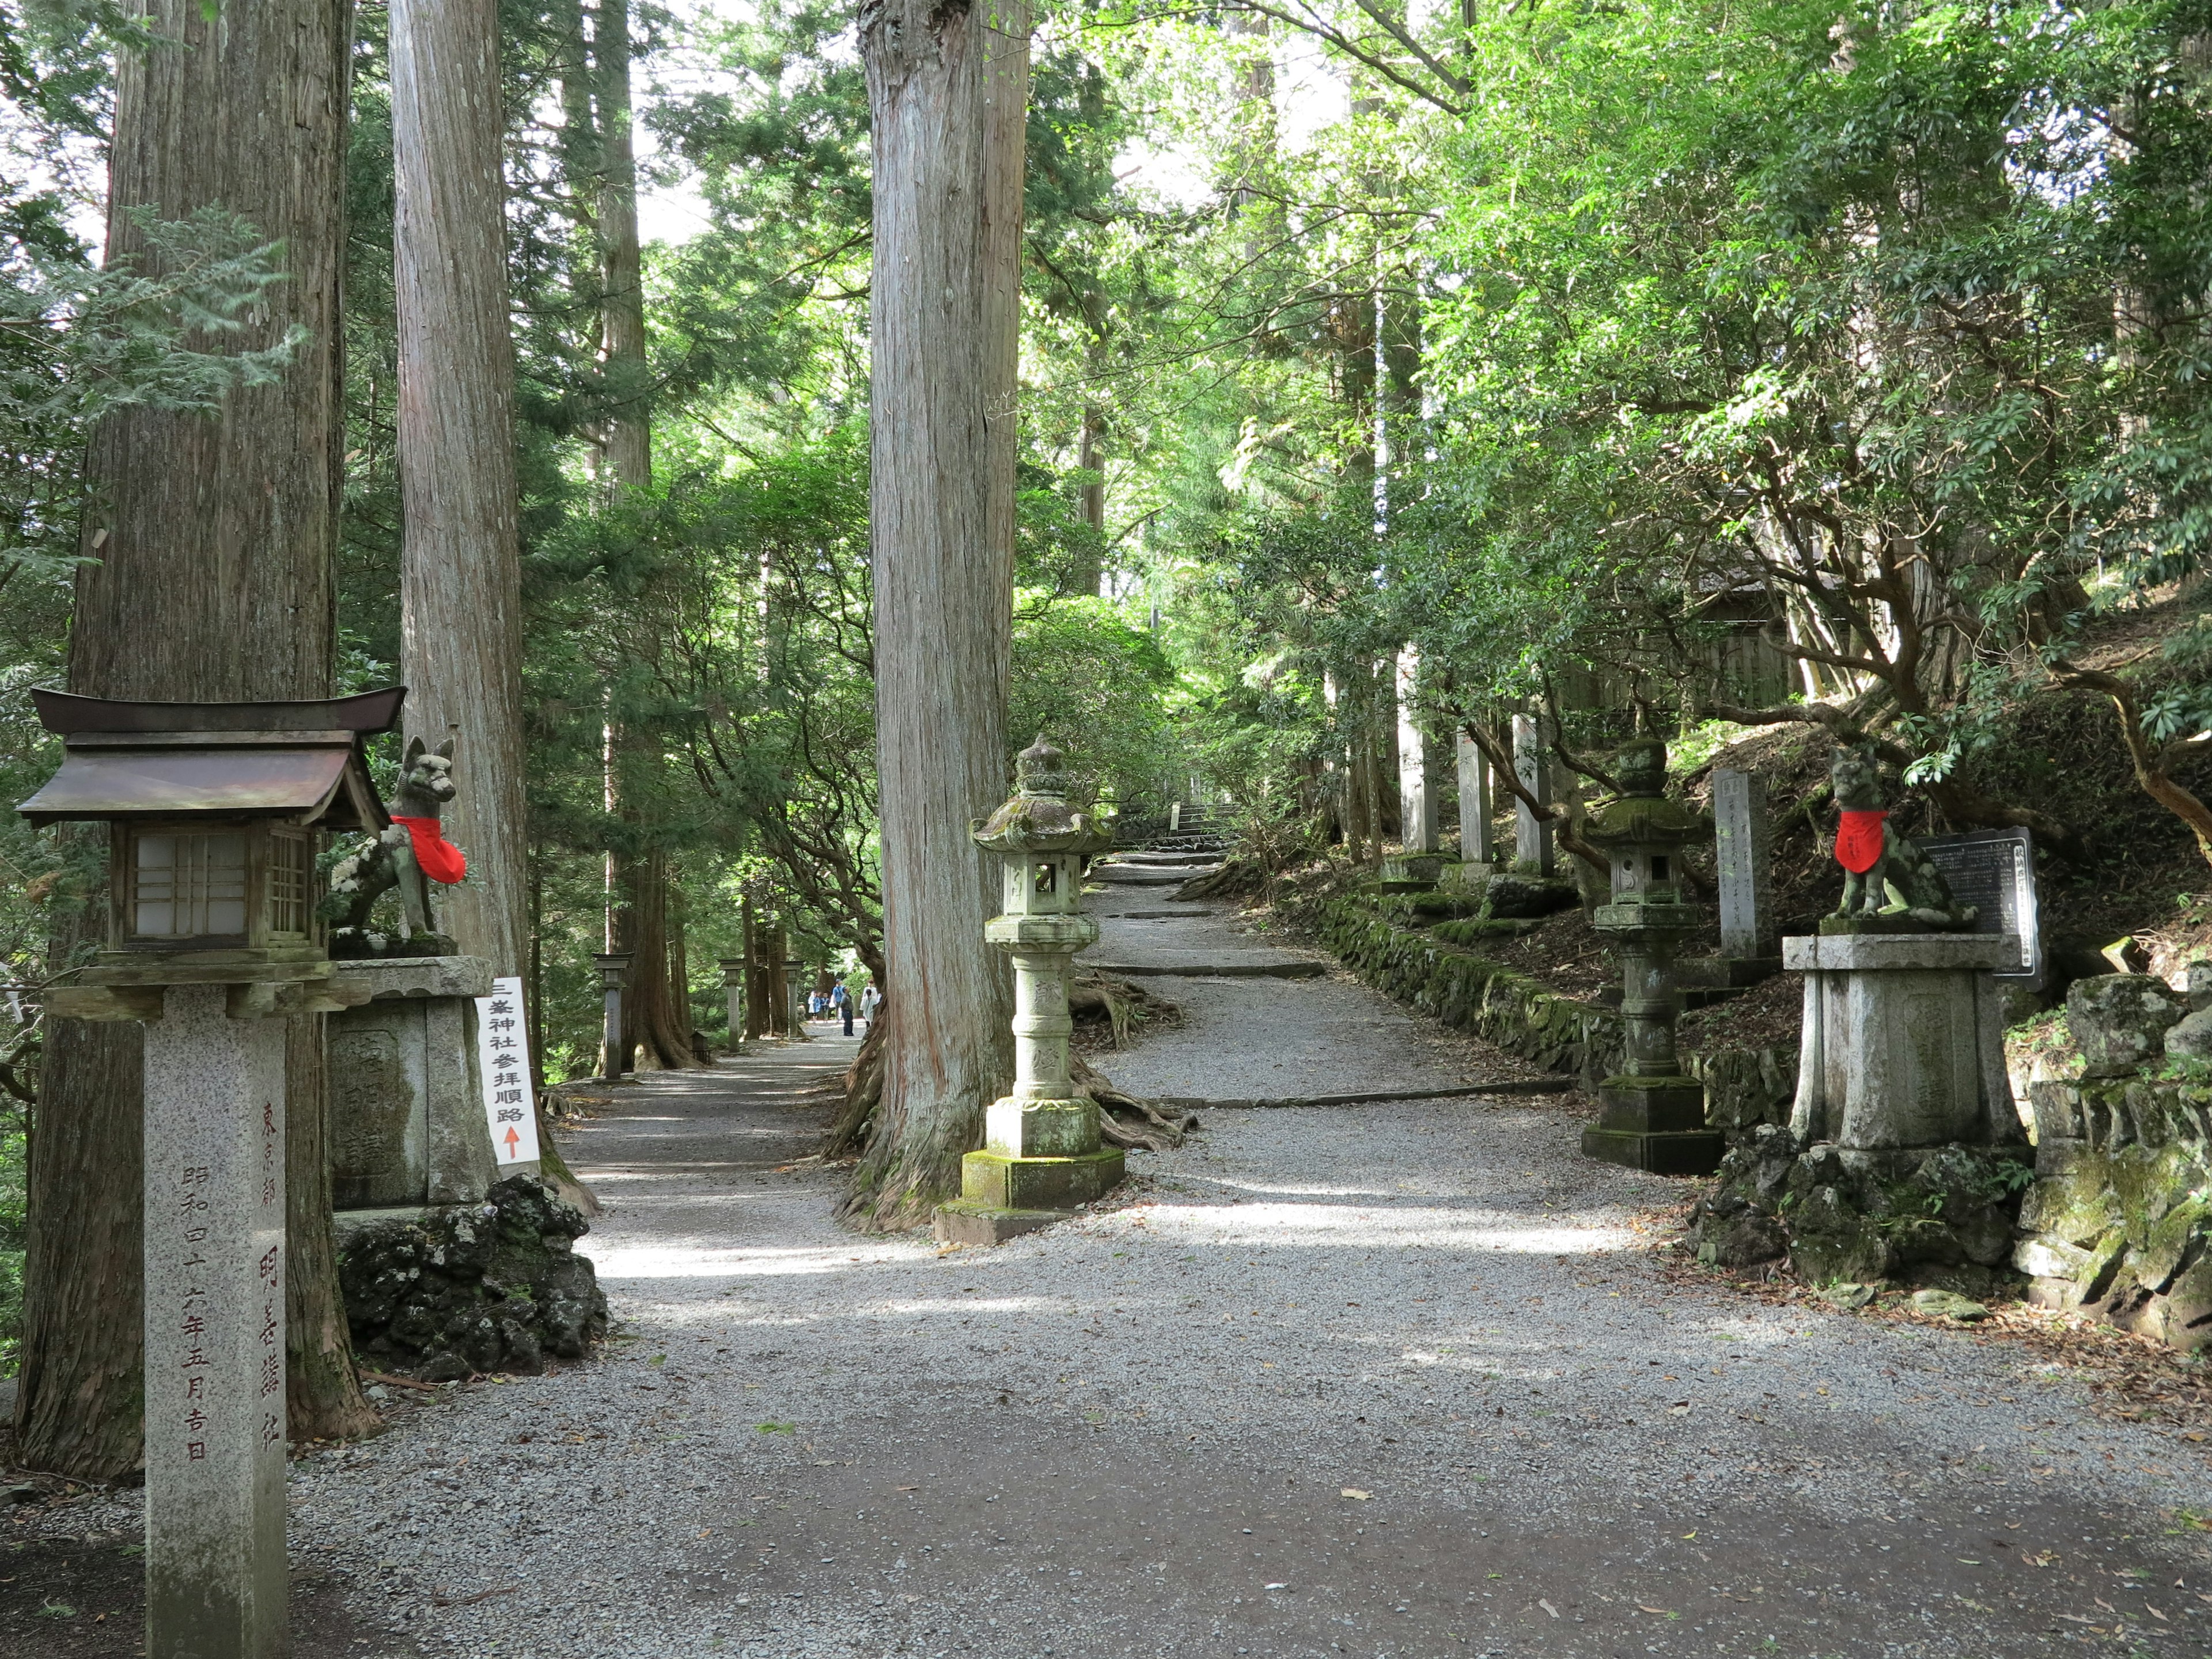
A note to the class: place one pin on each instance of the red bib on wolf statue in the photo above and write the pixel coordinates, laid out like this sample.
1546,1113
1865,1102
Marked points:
438,857
1859,840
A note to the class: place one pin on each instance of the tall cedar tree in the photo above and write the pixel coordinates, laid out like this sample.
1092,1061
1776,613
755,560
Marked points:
948,89
214,540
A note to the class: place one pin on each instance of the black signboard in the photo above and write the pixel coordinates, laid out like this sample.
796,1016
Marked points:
1994,871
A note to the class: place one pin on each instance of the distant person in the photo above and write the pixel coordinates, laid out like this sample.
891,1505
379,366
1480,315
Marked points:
871,999
842,1000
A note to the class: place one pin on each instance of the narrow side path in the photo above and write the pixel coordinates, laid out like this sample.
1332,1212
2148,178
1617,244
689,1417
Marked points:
1393,1380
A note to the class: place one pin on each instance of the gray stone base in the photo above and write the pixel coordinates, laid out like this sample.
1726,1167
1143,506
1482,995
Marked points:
1673,1152
998,1182
961,1223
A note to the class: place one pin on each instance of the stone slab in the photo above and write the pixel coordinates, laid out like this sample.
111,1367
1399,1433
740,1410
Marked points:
999,1183
1683,1152
1636,1107
421,977
216,1577
979,1224
1896,953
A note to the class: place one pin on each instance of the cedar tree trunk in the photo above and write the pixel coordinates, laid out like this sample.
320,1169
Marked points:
214,538
947,87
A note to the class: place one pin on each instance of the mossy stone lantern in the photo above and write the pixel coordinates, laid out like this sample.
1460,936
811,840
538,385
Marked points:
213,812
1041,1153
1652,1116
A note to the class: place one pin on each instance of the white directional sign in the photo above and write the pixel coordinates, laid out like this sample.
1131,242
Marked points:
503,1056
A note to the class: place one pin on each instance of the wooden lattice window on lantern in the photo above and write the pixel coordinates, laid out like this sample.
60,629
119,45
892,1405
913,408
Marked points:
188,884
288,883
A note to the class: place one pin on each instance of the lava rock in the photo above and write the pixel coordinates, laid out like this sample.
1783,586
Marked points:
2119,1021
474,1288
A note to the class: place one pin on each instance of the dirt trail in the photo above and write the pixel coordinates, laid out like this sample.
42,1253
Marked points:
1389,1380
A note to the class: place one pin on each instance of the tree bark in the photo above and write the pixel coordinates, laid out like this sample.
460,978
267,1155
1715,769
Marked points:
461,573
947,89
215,539
655,1014
622,306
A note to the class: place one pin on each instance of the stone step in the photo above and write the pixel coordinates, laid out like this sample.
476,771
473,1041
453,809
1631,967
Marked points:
1127,875
1286,969
1533,1085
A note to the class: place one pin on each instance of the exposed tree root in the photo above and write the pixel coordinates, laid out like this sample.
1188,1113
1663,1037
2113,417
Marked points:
1237,876
1124,1118
1122,1002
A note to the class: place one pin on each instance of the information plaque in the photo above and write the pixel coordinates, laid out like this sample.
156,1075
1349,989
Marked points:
1994,871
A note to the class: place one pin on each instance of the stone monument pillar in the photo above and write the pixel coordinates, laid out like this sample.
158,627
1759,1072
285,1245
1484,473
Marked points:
1417,802
1042,1153
1474,831
1532,836
1751,943
733,989
1653,1117
215,1576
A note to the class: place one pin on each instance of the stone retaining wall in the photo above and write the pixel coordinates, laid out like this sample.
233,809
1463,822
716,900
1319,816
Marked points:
2119,1222
1372,935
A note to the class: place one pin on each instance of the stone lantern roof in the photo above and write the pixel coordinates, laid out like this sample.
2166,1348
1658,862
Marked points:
1642,814
1037,818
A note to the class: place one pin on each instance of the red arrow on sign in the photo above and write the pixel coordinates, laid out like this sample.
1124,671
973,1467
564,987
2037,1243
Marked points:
512,1140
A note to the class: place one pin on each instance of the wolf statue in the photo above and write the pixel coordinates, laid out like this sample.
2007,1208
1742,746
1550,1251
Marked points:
1884,874
409,855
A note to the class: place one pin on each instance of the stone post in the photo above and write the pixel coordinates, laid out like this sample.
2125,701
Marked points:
1417,802
1751,943
795,998
1474,846
614,1053
1532,838
734,988
216,1575
1042,1151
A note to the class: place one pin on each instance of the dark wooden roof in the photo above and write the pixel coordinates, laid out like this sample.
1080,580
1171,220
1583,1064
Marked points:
300,761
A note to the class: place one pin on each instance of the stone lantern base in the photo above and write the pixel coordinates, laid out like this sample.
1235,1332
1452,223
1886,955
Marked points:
1654,1123
1041,1159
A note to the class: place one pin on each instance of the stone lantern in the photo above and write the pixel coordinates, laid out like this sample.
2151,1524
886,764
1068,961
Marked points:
733,992
1041,1154
212,812
614,1053
1652,1117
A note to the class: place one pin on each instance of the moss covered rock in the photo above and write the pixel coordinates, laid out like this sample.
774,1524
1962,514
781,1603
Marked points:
495,1287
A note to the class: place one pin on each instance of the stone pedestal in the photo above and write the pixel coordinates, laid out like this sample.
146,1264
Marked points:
1902,1047
1651,1116
733,988
407,1111
215,1576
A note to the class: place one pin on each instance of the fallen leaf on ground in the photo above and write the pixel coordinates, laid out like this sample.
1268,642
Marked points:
1548,1608
1662,1611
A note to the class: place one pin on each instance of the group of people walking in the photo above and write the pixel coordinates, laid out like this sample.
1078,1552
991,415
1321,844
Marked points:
838,1002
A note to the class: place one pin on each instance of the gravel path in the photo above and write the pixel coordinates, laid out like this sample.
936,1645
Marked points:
1377,1381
